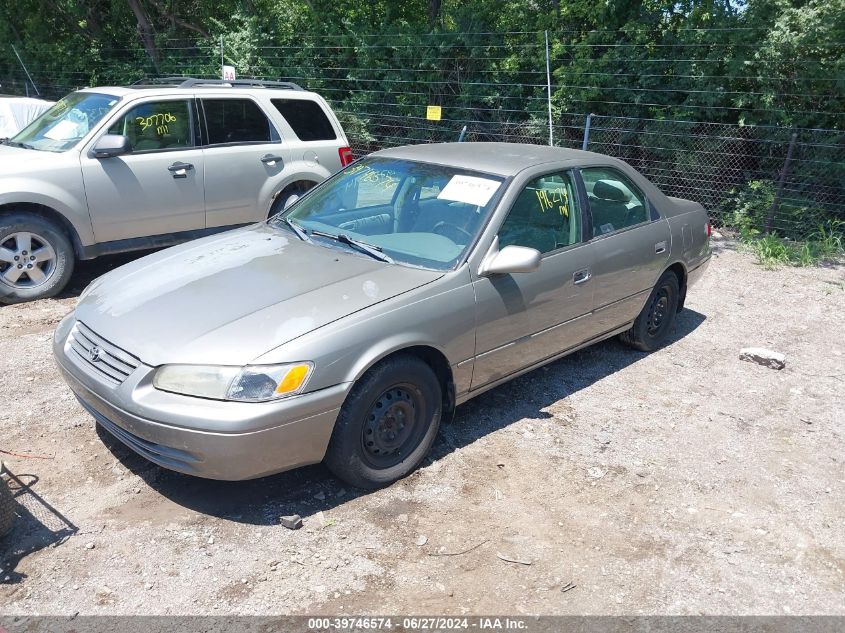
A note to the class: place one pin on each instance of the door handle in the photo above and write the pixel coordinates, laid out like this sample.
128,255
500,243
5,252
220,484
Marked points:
581,276
270,159
180,170
660,247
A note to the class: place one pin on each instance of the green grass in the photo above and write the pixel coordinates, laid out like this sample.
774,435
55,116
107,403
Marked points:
773,251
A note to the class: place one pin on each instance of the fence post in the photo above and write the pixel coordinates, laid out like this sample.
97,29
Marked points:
770,219
549,90
34,87
587,132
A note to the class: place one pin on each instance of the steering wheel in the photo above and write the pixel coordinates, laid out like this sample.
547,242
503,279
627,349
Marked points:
447,229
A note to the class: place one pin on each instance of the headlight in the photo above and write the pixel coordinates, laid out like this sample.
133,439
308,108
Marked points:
253,383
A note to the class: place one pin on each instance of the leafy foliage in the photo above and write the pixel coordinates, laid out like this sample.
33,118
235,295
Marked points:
684,86
768,61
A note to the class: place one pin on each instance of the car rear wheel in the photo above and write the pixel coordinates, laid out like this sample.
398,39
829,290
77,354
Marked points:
295,191
36,258
7,508
387,425
657,316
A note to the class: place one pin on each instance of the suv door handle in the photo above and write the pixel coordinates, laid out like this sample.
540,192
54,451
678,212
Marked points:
581,276
270,159
180,170
660,247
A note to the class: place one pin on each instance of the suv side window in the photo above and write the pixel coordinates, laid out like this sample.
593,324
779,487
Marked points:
156,125
306,119
545,216
615,202
237,121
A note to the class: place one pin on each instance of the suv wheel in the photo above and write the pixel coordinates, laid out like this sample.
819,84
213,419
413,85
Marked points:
293,191
36,258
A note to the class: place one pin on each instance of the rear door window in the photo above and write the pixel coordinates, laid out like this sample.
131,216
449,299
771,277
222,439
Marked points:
615,202
306,119
237,121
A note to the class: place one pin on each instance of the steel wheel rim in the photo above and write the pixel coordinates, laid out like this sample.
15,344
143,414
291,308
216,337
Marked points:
392,426
27,260
657,312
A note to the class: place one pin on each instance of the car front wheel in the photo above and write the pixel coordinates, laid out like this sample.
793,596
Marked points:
388,423
657,316
36,258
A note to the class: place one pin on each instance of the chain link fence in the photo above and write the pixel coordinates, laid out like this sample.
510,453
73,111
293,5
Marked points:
493,87
739,173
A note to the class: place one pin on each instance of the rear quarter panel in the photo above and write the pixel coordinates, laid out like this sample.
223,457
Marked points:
314,159
690,241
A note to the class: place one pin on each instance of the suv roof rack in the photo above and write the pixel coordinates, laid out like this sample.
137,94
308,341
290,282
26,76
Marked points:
193,82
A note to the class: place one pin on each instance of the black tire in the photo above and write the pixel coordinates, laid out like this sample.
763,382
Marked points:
297,190
657,316
8,509
387,424
56,272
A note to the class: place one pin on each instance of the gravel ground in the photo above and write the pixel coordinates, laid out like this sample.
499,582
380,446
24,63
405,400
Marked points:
681,482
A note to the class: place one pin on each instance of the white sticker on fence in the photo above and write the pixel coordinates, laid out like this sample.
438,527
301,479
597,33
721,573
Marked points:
469,189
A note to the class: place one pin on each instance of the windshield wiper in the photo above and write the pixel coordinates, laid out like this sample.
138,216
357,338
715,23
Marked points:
300,232
373,251
11,143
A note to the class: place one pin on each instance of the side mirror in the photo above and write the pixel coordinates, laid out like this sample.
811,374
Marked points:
111,145
511,259
290,202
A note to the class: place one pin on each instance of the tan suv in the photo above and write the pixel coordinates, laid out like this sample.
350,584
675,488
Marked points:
115,169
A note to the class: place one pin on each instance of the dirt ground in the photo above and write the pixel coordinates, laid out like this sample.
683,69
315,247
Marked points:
681,482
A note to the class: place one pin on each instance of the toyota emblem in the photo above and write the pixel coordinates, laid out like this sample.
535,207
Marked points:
94,354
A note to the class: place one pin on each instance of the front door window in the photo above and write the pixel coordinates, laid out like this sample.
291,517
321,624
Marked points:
545,216
156,126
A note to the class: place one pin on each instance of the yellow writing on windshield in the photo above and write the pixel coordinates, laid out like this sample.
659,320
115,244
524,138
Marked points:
383,179
549,198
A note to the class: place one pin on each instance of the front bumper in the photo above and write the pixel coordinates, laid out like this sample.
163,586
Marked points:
206,438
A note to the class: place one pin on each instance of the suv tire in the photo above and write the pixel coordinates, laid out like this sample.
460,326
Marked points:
297,190
36,258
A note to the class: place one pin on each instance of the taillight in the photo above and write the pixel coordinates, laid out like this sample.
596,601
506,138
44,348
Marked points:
346,157
709,229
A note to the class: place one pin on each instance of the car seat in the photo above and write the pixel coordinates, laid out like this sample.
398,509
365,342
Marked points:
529,225
608,205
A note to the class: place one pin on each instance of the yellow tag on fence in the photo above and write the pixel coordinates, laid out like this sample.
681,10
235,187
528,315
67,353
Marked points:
433,113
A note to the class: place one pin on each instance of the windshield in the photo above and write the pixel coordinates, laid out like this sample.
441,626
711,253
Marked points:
62,126
416,213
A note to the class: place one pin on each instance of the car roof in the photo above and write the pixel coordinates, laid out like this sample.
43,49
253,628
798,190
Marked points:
503,159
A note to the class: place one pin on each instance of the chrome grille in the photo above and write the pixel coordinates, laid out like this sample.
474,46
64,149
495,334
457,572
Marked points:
96,353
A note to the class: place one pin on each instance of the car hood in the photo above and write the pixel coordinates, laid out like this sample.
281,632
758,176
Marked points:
17,160
230,298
